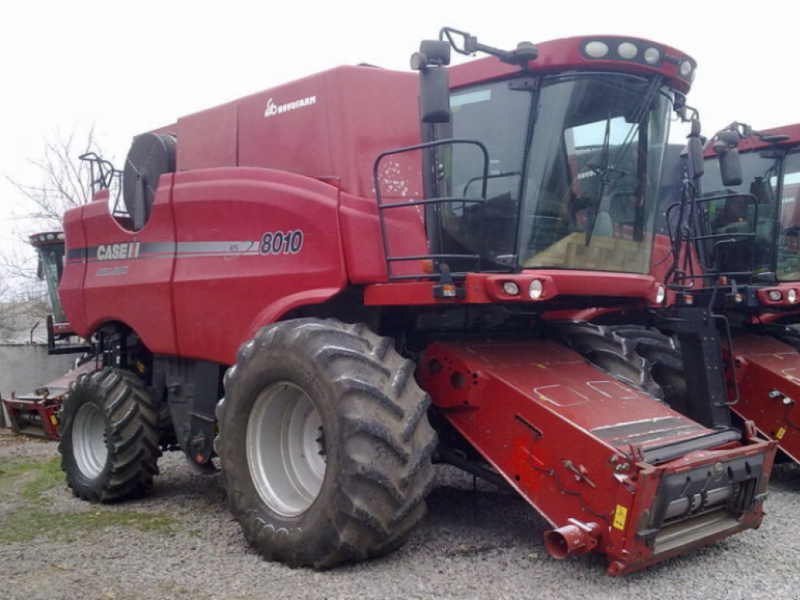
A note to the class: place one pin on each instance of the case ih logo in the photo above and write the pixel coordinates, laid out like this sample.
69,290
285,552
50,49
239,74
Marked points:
118,251
276,109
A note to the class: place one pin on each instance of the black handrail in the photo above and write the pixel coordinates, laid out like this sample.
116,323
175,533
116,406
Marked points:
427,201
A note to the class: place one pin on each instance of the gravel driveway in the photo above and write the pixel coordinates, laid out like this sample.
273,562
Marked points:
180,542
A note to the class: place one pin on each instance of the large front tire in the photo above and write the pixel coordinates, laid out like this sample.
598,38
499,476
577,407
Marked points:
324,443
109,436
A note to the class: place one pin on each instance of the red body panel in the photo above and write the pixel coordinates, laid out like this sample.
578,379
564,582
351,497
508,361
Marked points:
186,255
131,290
517,403
70,288
329,125
768,373
227,287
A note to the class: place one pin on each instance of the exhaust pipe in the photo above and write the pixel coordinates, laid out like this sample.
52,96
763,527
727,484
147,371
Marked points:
569,540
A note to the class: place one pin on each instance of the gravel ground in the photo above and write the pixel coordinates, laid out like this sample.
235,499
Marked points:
181,543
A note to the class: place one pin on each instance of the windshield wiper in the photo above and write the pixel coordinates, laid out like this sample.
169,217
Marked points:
603,172
608,168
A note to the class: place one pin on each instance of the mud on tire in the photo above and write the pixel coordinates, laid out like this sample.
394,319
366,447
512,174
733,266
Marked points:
109,436
307,388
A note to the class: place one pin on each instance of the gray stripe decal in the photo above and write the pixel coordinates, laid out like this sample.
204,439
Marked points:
153,250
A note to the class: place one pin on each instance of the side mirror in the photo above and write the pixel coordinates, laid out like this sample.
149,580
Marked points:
434,83
730,164
434,95
695,157
730,167
694,148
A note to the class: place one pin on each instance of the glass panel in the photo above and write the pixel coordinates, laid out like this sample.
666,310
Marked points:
788,257
497,116
734,216
593,174
759,178
53,266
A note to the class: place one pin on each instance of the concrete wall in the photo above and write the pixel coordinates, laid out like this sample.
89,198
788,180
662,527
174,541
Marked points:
23,368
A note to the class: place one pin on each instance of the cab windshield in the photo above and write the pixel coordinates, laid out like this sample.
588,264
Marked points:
772,179
52,265
788,247
575,162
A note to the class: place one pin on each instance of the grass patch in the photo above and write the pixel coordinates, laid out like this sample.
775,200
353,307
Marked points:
27,524
28,480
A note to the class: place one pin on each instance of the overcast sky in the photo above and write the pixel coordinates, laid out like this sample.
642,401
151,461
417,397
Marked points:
127,67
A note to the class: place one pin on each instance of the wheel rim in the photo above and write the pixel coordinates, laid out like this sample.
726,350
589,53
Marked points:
285,449
89,440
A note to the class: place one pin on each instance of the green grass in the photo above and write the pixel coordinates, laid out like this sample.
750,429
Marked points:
27,481
27,524
33,477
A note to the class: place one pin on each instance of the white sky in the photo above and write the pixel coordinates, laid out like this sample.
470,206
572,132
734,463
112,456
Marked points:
128,67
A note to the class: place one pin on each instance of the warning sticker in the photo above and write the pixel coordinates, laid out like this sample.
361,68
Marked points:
620,516
781,432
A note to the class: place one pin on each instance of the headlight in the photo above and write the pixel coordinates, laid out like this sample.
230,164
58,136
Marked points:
652,56
536,289
686,69
775,295
627,50
661,293
596,49
791,295
511,288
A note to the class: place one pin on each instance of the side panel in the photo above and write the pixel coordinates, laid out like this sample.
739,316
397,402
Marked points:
252,245
208,138
128,273
768,373
70,289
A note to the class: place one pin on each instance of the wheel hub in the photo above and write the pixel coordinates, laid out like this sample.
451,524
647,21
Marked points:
89,440
286,449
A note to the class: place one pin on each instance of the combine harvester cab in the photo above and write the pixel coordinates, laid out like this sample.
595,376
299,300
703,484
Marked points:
342,303
748,241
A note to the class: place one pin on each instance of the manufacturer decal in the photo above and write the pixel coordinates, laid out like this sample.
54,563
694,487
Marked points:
107,271
273,109
278,242
118,251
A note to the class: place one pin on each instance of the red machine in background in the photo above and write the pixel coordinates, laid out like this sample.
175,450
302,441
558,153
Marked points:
748,231
342,277
36,413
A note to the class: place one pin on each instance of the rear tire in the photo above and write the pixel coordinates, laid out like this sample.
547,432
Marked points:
664,360
644,358
615,354
109,436
324,443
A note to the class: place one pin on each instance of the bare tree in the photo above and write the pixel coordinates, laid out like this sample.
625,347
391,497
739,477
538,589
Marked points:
65,181
62,181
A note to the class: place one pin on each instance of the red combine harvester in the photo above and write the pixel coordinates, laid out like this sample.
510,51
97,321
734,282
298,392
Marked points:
747,235
342,303
36,413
